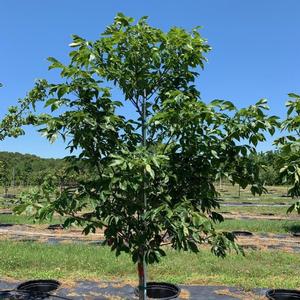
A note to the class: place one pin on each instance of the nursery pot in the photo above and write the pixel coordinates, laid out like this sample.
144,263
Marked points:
55,226
161,290
282,294
242,233
38,286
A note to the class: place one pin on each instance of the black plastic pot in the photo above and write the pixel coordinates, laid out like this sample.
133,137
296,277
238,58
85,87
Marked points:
55,227
242,233
281,294
38,286
5,213
161,290
9,196
6,225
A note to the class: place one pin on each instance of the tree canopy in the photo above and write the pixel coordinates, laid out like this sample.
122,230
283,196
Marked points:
153,170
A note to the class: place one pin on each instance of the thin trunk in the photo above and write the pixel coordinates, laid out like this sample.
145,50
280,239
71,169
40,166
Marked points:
142,279
142,267
13,177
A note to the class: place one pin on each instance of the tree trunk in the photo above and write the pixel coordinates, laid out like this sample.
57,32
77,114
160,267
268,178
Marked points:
142,267
142,279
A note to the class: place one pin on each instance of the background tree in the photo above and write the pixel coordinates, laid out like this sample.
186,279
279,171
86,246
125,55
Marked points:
30,168
4,178
153,170
289,146
270,173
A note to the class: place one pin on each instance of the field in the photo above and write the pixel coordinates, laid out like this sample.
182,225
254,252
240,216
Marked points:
25,260
266,266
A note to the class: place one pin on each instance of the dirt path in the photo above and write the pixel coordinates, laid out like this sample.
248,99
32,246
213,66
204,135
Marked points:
264,241
261,216
267,241
40,233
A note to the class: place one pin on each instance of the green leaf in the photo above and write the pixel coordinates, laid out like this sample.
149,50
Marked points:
116,162
150,171
293,95
262,101
55,63
62,90
50,102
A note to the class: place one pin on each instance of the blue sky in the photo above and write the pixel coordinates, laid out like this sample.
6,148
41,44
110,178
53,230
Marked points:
256,47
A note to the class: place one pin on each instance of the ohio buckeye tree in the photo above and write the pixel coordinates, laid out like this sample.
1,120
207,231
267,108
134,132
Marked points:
128,108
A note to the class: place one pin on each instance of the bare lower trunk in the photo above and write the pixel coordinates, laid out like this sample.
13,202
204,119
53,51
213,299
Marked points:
142,279
141,262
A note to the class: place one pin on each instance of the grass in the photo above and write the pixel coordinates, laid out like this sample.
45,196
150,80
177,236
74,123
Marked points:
275,194
22,219
259,200
259,226
278,211
273,226
23,260
233,190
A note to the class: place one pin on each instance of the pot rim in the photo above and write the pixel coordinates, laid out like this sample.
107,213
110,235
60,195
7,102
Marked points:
273,292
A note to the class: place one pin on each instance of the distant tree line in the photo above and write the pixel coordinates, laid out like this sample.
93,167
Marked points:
18,169
25,169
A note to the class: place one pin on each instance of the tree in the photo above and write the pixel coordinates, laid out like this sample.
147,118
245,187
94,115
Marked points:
270,167
4,178
289,146
153,170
